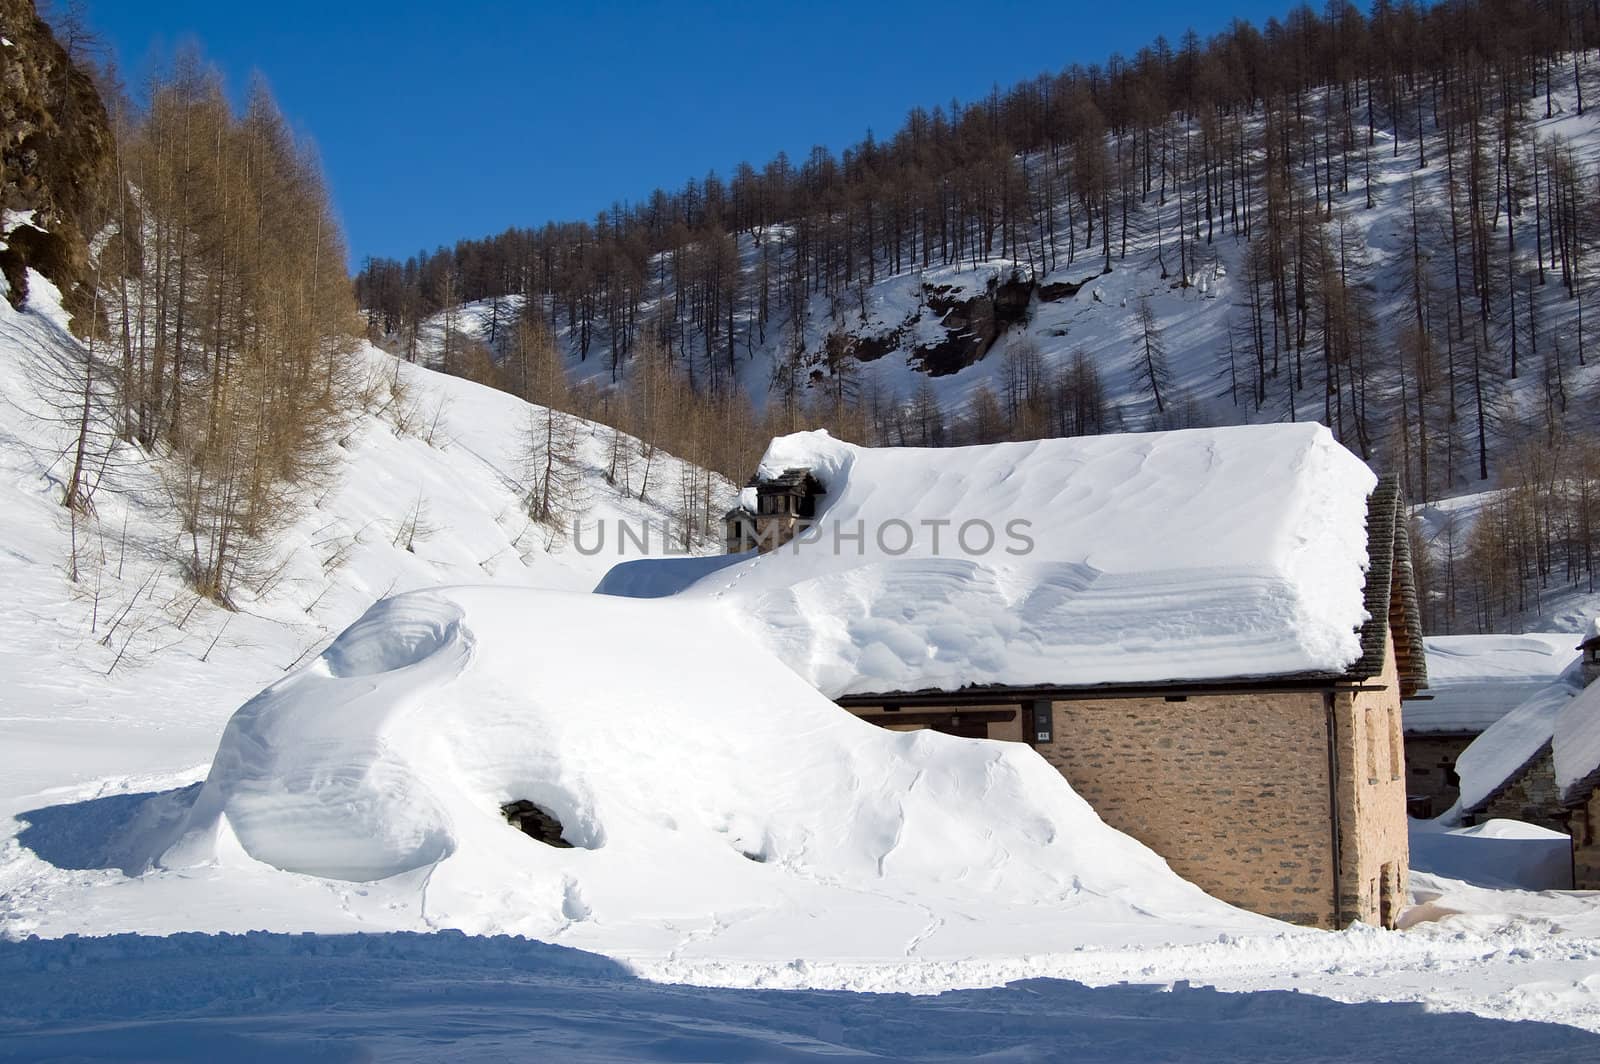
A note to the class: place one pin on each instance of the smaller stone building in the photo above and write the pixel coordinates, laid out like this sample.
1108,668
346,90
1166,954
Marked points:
1540,764
1529,794
1575,759
1473,681
770,511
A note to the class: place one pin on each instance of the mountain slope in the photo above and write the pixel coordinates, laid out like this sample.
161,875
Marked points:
127,655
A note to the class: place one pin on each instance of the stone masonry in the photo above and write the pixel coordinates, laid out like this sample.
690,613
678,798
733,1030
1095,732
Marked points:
1585,823
1234,789
1531,797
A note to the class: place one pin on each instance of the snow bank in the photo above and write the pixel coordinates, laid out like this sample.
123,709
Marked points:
1474,680
1513,741
731,799
1503,854
1196,554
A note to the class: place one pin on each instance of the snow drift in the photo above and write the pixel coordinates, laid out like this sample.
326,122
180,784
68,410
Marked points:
1186,555
729,797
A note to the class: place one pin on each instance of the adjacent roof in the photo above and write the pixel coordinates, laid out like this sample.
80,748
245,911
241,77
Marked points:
1474,680
1576,746
1495,760
1199,555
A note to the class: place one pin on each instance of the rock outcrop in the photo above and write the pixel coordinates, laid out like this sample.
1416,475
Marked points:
55,157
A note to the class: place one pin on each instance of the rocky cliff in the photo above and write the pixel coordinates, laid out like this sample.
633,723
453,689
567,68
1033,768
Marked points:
55,158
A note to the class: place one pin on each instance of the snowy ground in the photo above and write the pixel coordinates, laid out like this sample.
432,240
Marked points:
410,997
98,754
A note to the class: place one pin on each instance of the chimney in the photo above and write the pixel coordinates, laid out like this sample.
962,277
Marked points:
1590,648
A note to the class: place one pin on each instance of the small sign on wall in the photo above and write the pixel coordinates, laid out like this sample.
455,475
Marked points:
1044,727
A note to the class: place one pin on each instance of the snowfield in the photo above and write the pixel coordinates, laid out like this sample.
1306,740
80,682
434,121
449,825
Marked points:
733,832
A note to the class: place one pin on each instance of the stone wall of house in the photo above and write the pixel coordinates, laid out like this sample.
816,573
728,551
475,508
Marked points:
1430,771
1585,825
1231,789
1374,845
1533,797
1234,790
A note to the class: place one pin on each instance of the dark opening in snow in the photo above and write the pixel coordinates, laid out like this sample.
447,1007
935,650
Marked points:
534,822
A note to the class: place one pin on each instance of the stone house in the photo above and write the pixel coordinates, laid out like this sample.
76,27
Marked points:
1473,681
1584,824
1529,793
1575,755
1540,764
770,511
1278,788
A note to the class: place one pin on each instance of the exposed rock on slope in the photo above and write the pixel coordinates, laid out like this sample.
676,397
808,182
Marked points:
55,153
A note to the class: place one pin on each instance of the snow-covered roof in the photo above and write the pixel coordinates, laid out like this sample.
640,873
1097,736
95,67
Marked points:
1199,555
1575,744
1494,760
1474,680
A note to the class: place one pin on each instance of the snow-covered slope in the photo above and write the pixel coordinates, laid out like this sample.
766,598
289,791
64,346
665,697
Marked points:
124,676
1183,555
1096,314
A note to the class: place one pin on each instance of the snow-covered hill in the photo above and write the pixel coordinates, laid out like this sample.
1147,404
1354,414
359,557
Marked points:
428,492
918,326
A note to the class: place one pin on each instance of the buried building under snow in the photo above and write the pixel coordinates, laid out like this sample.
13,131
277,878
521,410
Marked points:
1208,632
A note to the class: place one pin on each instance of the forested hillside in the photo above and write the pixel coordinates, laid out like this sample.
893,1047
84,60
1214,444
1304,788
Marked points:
1383,221
195,427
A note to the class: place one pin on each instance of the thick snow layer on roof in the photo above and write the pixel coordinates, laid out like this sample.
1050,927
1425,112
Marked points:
733,797
1474,680
1576,744
1514,740
1202,554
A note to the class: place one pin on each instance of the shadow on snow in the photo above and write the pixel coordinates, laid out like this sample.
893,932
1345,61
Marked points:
120,831
399,996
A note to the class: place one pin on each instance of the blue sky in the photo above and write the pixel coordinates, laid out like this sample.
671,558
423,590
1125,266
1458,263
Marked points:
452,119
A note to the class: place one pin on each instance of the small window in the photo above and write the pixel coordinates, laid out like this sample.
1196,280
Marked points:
1388,894
1396,745
1372,746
